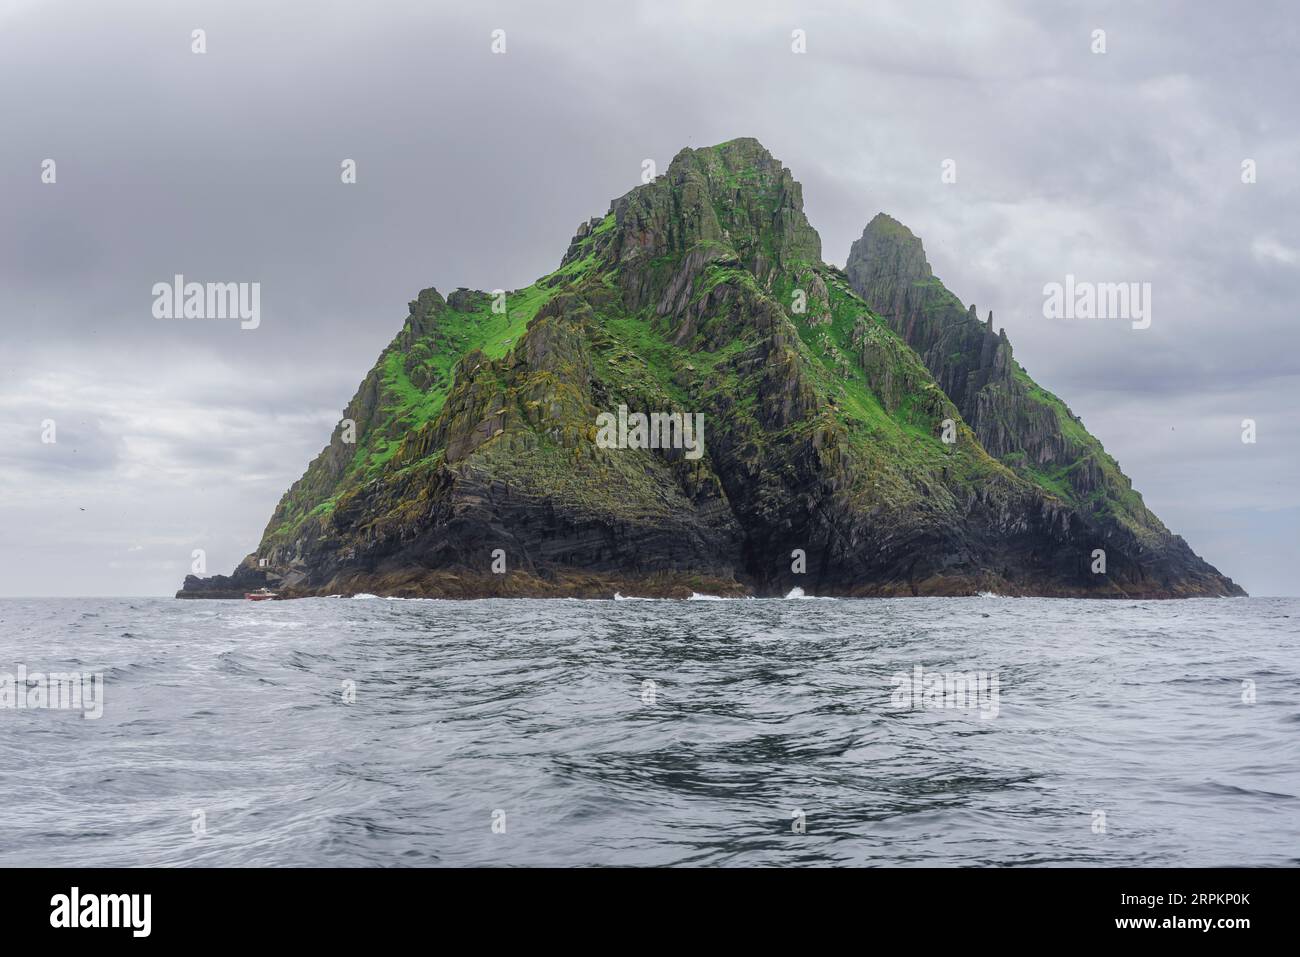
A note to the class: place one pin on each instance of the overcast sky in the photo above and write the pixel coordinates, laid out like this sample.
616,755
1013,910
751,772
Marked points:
474,168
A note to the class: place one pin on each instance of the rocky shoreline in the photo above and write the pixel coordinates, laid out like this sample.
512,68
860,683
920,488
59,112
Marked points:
451,585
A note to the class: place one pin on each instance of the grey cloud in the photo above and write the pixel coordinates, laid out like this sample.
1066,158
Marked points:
78,441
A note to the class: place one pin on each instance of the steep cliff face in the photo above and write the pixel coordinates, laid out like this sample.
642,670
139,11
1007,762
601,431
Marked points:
472,459
1021,424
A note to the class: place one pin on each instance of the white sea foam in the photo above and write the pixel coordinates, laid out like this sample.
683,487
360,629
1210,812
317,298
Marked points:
798,593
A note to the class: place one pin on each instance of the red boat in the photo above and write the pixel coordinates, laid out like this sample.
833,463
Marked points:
262,594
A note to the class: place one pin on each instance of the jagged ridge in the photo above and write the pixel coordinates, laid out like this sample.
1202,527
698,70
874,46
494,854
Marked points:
1016,420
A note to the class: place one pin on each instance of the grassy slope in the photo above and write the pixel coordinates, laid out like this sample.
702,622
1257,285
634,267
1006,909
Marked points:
1115,497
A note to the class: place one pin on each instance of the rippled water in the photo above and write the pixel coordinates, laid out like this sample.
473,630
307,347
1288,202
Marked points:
538,709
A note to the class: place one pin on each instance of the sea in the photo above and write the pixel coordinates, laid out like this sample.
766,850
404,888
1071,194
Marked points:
365,731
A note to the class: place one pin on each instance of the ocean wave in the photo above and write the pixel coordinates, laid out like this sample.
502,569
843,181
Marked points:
797,593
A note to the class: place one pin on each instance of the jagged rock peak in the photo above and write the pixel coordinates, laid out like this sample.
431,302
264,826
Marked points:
888,245
466,300
427,300
886,262
758,200
734,197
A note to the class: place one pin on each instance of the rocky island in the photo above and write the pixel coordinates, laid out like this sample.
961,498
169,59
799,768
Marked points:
861,431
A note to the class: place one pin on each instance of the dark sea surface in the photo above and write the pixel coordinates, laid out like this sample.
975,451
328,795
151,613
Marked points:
535,714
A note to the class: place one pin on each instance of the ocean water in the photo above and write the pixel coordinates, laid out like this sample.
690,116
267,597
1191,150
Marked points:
525,733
